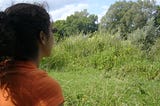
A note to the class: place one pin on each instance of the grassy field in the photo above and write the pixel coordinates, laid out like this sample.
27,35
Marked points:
102,70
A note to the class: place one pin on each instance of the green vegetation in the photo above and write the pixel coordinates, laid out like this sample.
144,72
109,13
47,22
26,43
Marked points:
79,22
125,17
103,70
115,62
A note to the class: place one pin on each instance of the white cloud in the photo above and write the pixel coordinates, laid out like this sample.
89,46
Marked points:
6,3
62,13
58,9
105,9
158,2
57,4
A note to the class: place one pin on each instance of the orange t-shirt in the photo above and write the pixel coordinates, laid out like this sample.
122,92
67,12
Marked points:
29,86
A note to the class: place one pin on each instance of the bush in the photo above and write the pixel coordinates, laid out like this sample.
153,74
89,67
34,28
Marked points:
102,52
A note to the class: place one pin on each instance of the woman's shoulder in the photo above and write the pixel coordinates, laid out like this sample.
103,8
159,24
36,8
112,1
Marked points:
47,89
43,79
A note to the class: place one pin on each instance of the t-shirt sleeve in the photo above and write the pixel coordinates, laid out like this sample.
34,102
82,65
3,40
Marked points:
49,91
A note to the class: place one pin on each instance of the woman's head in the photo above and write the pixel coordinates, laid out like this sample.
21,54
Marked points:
23,29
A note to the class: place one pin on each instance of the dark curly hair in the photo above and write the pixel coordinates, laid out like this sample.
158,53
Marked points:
20,27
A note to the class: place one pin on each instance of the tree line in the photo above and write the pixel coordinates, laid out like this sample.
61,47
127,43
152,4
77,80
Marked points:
122,17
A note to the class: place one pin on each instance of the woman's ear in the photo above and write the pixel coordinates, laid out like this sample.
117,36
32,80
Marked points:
42,38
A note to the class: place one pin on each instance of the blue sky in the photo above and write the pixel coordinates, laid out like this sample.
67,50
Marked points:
60,9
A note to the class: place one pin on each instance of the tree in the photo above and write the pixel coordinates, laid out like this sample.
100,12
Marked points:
61,29
125,17
113,17
157,17
82,22
79,22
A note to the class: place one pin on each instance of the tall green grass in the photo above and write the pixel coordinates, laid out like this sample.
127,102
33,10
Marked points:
103,70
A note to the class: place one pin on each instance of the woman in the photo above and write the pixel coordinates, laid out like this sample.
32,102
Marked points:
26,37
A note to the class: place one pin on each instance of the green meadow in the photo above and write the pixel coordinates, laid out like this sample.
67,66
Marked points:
104,70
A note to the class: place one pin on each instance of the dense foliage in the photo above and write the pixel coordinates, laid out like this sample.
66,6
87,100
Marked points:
116,63
103,70
125,17
79,22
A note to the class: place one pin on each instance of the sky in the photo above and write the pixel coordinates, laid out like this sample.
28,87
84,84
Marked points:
60,9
